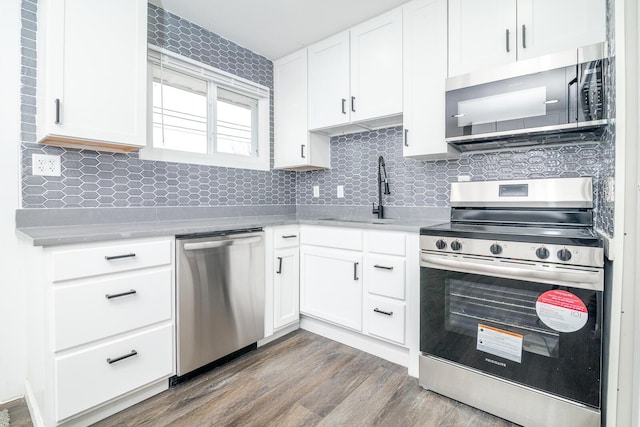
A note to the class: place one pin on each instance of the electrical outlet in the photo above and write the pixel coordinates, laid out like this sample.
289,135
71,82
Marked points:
316,191
464,178
45,165
340,191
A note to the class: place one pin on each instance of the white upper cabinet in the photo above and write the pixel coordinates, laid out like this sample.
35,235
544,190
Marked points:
487,33
355,77
295,147
376,67
425,71
481,34
546,26
329,82
93,89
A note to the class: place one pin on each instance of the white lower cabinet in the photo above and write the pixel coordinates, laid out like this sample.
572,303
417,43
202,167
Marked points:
332,285
105,328
358,279
286,287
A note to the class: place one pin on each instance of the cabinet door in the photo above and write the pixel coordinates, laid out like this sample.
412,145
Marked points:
329,82
331,285
547,26
376,67
96,70
425,71
290,109
481,34
286,287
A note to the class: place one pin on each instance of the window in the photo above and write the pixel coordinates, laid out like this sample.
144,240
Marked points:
204,116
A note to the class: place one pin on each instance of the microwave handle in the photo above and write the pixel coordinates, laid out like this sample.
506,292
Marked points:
570,101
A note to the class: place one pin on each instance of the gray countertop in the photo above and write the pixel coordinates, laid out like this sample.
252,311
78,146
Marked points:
62,235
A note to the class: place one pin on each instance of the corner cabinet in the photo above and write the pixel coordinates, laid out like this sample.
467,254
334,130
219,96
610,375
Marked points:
295,147
425,71
495,32
92,92
355,77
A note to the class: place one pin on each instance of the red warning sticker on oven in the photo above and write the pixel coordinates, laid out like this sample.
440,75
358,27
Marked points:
562,311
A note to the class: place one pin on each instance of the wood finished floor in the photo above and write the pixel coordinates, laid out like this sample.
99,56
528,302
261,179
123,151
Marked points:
303,380
18,413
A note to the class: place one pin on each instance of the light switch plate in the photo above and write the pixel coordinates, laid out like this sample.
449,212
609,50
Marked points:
340,191
316,191
45,165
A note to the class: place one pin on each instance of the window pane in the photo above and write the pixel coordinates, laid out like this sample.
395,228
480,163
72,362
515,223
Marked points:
179,114
236,115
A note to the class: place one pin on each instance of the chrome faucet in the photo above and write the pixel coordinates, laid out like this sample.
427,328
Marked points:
381,182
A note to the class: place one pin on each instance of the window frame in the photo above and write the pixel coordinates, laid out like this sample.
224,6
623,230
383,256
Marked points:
215,78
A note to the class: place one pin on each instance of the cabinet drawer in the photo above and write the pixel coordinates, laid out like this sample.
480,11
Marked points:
386,319
93,261
340,238
386,243
286,237
385,275
99,309
86,379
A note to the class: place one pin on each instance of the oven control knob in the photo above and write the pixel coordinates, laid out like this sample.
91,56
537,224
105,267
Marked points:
456,246
564,254
542,252
441,244
496,249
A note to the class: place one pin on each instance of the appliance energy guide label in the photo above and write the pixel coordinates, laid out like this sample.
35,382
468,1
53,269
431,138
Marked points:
500,343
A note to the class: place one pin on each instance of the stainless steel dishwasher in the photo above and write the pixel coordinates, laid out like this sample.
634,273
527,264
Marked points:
220,296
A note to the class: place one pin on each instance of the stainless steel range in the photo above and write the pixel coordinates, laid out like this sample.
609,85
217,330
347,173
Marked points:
511,302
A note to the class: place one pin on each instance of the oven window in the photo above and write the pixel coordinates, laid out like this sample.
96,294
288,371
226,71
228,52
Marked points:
469,304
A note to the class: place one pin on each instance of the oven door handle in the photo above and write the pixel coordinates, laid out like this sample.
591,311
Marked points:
565,276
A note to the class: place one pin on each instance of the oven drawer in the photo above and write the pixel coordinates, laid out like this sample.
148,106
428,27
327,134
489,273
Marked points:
109,258
98,309
86,379
385,275
386,319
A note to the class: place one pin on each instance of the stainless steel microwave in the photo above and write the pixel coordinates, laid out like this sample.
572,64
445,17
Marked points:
548,100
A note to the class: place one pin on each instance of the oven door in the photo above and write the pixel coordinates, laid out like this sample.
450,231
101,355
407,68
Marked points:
523,327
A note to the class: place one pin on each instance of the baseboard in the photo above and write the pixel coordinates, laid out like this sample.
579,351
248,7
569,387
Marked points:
32,406
384,350
279,334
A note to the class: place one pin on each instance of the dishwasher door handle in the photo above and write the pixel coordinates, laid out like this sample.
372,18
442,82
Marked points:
221,243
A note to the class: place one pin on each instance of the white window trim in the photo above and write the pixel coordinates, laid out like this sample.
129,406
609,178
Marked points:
188,66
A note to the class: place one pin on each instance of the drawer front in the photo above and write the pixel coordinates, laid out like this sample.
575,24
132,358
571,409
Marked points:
332,237
98,309
386,319
85,379
84,262
384,242
286,237
385,275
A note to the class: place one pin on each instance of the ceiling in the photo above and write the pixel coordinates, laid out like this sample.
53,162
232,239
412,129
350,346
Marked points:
274,28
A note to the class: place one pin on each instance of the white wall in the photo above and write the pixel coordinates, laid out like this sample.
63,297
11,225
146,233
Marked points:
13,353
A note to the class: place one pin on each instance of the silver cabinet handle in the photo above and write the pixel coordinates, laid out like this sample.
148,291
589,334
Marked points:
57,101
344,108
507,39
279,271
355,271
406,137
524,36
383,267
112,257
121,294
353,104
302,151
290,236
387,313
119,358
221,243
